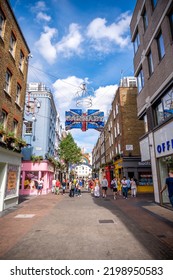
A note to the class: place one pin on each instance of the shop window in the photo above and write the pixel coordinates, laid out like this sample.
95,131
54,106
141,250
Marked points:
31,180
145,179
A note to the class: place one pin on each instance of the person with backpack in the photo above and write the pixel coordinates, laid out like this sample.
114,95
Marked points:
72,188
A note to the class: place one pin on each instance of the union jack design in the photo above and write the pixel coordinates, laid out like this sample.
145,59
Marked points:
92,119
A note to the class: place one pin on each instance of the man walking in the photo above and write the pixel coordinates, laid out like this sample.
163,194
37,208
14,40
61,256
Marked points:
104,185
169,186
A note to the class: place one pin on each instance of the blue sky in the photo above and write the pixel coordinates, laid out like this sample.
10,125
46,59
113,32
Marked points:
76,41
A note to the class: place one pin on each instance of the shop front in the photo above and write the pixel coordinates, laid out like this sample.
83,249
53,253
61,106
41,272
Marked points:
134,168
10,164
31,173
163,139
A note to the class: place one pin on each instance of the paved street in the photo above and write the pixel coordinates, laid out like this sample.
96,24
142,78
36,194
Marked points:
85,228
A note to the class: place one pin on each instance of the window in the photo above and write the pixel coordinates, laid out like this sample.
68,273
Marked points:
18,94
15,126
8,79
140,79
21,61
136,42
154,3
150,63
160,45
2,23
164,109
12,44
171,21
145,124
145,19
28,127
4,118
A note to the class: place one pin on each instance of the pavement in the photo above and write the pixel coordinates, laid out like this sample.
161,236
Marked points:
58,227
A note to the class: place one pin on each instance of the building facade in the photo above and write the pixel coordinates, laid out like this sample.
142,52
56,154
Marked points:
14,53
152,36
121,139
41,132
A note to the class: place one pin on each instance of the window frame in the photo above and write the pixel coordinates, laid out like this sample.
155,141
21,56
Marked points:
29,127
12,46
140,80
2,23
145,19
136,42
150,63
170,15
18,93
21,61
160,46
8,79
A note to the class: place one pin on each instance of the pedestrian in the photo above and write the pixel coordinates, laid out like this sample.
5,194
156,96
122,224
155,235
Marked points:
104,185
57,186
114,186
63,186
79,187
133,187
71,187
169,185
97,188
53,185
124,187
40,186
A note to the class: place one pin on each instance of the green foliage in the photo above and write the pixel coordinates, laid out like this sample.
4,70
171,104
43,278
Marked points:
69,151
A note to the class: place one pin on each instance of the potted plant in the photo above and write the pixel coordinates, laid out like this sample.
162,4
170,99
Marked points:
20,142
10,139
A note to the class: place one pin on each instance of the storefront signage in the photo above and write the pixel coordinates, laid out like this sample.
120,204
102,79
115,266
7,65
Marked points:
164,141
76,118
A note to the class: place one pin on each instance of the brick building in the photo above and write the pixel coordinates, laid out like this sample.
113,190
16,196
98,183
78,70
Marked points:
14,53
152,37
121,138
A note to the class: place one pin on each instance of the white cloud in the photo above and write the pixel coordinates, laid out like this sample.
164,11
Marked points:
43,16
45,46
39,6
116,33
103,98
64,94
70,44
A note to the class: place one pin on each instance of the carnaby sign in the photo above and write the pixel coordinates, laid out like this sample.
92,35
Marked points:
76,118
164,141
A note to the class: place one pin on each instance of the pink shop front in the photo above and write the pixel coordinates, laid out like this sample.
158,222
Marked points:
31,172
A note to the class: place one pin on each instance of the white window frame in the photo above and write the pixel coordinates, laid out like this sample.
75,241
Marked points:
18,94
8,78
21,61
2,23
12,44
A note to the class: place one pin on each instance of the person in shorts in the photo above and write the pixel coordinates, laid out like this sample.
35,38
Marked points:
114,186
104,185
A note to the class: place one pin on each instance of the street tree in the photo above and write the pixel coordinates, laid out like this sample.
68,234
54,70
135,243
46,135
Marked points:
69,152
